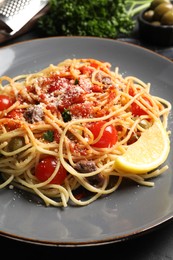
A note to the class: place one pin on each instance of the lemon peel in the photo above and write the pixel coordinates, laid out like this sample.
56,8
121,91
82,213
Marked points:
147,153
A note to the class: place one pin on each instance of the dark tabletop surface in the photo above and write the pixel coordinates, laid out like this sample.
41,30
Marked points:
157,244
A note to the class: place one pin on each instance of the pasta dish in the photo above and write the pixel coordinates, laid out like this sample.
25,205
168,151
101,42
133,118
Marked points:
61,129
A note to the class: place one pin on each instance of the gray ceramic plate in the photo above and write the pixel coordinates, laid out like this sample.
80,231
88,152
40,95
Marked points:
131,210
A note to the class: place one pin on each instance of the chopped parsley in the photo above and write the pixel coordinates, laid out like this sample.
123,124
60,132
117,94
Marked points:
76,81
66,115
49,135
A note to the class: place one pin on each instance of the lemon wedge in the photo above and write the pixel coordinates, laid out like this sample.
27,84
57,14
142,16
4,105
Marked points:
147,153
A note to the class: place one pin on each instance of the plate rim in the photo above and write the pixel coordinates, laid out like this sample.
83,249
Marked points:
111,239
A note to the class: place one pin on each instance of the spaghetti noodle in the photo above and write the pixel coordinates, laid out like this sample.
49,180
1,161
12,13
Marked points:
62,128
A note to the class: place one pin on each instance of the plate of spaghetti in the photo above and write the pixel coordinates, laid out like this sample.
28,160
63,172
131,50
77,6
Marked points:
70,109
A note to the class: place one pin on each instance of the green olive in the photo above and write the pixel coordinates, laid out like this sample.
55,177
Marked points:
167,18
160,10
156,23
148,15
155,3
15,143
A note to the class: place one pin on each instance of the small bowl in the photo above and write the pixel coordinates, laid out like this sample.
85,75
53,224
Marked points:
160,35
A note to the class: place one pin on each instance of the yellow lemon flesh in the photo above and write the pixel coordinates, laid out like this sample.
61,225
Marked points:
147,153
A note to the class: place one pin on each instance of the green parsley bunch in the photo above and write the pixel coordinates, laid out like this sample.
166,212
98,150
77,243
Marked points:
100,18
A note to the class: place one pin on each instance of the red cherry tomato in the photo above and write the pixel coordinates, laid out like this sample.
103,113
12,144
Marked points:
5,102
81,110
96,88
86,70
137,110
46,167
15,114
109,136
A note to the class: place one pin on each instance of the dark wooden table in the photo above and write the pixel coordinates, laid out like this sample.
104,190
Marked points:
155,245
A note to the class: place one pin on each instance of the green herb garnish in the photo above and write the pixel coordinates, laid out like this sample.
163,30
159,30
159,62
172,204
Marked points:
76,81
48,136
66,115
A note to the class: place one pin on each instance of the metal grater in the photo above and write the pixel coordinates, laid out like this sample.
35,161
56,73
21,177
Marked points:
14,14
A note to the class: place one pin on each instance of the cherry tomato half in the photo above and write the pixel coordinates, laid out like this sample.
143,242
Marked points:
5,102
81,110
46,167
15,114
137,110
109,136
